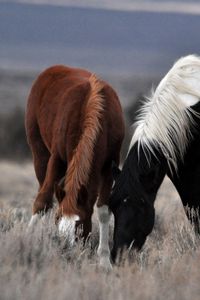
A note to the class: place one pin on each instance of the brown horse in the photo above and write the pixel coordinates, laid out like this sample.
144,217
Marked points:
75,129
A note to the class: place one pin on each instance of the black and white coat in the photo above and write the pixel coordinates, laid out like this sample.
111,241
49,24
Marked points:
166,141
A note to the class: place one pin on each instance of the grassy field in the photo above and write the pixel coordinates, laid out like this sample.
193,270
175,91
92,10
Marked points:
37,264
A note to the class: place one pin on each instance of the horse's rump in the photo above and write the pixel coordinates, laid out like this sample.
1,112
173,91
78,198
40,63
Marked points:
53,100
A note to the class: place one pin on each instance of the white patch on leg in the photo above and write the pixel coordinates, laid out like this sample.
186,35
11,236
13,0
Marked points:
34,219
103,249
66,227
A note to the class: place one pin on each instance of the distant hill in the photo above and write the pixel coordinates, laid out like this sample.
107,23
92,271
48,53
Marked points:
112,42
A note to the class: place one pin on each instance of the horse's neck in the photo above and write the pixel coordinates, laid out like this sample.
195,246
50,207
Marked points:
187,179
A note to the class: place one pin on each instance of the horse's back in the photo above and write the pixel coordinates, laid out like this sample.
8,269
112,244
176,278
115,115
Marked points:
55,80
55,83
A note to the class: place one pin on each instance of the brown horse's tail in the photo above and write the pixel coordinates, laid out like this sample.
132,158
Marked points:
80,165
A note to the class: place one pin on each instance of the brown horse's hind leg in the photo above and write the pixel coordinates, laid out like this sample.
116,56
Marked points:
54,172
40,152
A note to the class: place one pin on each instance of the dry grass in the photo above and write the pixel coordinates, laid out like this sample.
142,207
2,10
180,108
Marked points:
37,264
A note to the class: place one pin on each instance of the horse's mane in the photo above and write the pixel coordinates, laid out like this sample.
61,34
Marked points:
80,165
165,119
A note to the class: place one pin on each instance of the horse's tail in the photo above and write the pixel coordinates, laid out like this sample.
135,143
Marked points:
80,165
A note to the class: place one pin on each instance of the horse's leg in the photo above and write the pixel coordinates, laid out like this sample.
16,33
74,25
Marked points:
39,151
87,226
104,218
87,199
84,228
40,155
75,228
44,199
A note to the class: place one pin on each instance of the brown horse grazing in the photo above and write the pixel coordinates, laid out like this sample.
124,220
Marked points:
75,129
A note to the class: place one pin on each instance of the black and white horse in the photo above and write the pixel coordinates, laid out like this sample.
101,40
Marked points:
166,141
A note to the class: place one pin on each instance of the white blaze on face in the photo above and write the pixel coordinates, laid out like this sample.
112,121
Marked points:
66,227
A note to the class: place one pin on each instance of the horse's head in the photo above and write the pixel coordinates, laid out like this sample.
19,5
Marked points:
132,199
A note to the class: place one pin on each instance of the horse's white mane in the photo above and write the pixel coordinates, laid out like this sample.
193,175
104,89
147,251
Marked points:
166,117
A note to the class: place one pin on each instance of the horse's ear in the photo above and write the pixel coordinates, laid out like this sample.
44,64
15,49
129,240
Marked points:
59,190
115,171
